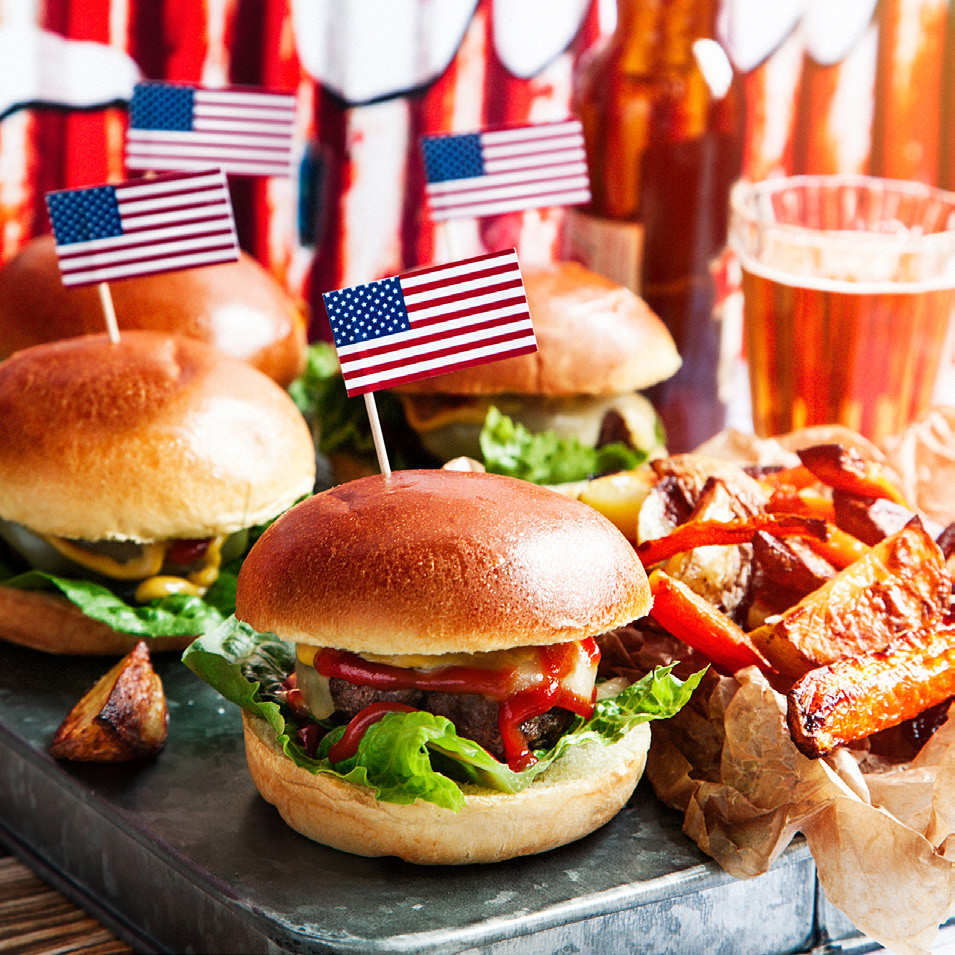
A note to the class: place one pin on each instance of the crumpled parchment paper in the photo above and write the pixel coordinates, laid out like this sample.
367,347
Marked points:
882,835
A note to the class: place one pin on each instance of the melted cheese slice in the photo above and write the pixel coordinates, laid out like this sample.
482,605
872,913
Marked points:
148,562
524,661
146,567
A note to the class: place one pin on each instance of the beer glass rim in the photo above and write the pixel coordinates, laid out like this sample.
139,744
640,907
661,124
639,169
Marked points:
754,229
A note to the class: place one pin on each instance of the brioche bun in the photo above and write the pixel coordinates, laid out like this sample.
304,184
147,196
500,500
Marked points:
580,792
598,345
594,337
440,561
150,438
238,308
443,562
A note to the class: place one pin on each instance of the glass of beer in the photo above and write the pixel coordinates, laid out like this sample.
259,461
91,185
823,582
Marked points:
847,299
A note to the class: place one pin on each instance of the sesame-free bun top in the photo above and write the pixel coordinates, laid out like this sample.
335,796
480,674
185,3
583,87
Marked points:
237,307
149,438
594,337
437,561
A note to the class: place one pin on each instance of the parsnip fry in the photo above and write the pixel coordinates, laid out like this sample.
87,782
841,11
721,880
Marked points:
122,716
846,470
858,696
701,625
706,533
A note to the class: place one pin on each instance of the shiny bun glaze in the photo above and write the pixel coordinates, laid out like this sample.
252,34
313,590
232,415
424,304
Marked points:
151,438
238,308
594,337
438,561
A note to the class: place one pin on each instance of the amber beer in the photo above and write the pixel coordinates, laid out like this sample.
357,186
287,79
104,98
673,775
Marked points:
847,288
863,355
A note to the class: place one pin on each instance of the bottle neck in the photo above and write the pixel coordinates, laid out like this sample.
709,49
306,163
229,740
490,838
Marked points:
662,32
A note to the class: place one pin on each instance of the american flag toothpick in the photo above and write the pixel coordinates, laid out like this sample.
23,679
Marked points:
242,130
506,170
142,226
427,323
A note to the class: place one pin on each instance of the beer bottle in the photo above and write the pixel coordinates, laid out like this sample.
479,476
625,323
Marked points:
661,109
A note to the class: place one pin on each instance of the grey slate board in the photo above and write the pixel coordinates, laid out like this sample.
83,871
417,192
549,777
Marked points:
180,854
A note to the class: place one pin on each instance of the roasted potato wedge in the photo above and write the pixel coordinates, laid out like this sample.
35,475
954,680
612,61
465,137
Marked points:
861,695
900,585
122,716
869,519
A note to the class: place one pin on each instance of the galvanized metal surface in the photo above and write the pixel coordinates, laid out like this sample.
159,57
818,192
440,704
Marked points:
183,855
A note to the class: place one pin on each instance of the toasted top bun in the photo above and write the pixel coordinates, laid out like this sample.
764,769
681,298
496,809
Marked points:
440,561
237,308
593,337
151,438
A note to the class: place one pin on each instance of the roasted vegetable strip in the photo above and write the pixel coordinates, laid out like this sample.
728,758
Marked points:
846,470
839,547
721,533
804,501
701,625
900,585
857,696
798,476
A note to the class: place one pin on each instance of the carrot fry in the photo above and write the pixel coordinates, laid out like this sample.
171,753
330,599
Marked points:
857,696
798,477
846,470
840,548
701,625
740,531
804,501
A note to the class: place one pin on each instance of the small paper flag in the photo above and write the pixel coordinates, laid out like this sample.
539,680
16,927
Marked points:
506,170
430,322
245,131
143,226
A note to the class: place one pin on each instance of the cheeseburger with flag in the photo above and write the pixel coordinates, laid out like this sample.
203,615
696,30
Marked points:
414,652
415,655
135,470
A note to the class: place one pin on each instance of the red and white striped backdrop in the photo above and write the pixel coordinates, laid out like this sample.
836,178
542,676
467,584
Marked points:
878,100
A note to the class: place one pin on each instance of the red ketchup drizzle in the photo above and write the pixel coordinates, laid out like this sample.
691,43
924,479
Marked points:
347,746
556,662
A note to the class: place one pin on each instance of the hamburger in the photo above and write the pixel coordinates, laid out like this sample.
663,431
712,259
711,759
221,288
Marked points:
236,307
132,475
416,657
568,411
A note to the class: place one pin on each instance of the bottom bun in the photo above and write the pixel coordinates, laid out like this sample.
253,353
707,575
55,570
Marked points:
54,625
580,792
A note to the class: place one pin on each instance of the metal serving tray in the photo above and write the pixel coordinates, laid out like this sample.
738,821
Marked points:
180,854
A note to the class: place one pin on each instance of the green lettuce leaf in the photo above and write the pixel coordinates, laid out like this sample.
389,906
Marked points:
180,615
340,422
176,615
545,458
408,756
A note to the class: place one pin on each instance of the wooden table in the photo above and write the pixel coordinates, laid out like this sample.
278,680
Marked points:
37,920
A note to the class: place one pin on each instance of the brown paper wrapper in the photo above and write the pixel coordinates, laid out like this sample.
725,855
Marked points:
882,835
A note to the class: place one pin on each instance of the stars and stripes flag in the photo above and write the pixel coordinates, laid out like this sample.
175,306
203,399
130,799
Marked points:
430,321
143,226
243,131
506,170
